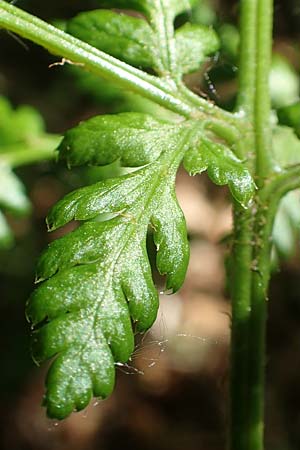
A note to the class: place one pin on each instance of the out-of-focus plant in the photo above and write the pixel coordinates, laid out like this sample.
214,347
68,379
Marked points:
23,140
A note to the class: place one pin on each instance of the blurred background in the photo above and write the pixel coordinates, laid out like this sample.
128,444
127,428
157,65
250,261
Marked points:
173,393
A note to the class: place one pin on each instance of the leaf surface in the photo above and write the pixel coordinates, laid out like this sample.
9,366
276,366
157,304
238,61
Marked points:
134,138
149,44
222,166
100,278
128,38
194,43
97,288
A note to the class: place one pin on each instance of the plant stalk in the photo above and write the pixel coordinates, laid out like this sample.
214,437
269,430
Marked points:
240,283
42,149
77,52
247,63
241,258
252,235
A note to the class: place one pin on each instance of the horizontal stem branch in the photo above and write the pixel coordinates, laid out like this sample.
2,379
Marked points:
42,149
283,182
91,59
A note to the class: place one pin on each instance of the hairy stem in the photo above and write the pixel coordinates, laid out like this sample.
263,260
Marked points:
240,280
253,228
241,259
265,215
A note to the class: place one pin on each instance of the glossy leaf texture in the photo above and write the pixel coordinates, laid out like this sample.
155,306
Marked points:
152,43
97,288
222,166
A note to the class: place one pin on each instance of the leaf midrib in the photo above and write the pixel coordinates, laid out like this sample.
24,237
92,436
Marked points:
109,274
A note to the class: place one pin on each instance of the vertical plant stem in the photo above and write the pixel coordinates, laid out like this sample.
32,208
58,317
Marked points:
253,228
247,63
241,300
257,348
241,260
262,109
266,210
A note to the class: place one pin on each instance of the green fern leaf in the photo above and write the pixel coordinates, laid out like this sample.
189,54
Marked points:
194,43
222,166
153,44
104,279
134,138
128,38
97,286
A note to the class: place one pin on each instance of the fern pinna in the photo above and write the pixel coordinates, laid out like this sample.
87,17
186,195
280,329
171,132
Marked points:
97,288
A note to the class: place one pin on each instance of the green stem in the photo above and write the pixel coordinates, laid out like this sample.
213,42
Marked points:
261,266
210,108
247,64
266,211
267,206
253,228
241,258
240,280
78,52
262,110
42,149
284,182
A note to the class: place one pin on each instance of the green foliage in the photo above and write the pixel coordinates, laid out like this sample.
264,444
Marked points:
286,150
22,141
134,138
17,130
286,147
154,44
13,200
287,226
223,167
99,277
96,288
284,82
20,126
290,115
125,37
